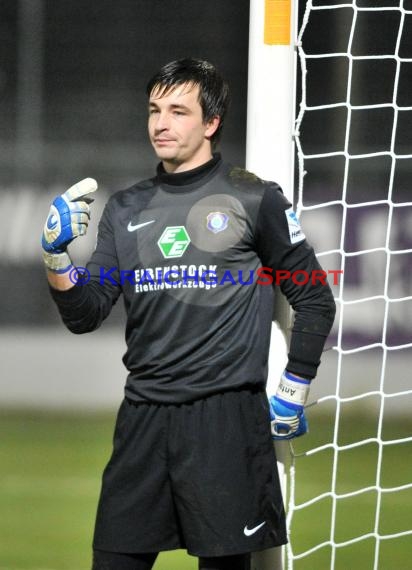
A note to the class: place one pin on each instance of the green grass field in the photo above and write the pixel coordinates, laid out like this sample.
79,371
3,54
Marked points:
51,466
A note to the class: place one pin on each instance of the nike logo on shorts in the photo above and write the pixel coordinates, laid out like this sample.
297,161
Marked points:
132,228
249,531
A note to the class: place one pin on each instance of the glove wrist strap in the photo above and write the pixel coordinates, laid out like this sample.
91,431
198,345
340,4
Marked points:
292,390
57,262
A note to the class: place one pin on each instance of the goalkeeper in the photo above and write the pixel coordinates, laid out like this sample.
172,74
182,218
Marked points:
193,464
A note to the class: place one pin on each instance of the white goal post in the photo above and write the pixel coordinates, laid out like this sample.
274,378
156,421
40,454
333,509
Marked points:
351,136
270,155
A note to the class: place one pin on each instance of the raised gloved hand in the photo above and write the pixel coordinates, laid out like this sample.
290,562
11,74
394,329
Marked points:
68,218
287,407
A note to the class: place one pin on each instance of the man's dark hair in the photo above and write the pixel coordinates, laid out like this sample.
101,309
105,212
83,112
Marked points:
213,89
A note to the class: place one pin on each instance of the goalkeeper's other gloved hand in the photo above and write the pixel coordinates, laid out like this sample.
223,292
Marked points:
287,413
68,218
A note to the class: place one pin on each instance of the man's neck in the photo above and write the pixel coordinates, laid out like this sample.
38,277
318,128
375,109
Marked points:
172,167
187,177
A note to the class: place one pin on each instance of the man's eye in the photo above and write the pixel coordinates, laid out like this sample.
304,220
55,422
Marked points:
153,111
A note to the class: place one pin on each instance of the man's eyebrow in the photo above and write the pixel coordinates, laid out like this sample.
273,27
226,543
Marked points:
179,106
172,106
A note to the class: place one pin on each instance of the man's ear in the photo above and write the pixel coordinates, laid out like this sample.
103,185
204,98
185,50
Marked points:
211,127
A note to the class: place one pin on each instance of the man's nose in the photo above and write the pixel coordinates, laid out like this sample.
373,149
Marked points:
162,122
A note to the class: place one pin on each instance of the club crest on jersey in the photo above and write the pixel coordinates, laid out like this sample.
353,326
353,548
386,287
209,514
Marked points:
217,222
295,231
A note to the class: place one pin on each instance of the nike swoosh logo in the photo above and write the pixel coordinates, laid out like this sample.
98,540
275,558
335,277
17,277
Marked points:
132,228
249,531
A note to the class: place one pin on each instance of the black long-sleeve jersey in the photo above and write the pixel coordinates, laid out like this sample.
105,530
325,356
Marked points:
195,255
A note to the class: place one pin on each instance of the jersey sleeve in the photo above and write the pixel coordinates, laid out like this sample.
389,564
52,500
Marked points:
282,247
84,307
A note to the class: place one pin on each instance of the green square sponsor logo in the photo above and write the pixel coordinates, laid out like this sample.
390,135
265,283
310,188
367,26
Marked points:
174,241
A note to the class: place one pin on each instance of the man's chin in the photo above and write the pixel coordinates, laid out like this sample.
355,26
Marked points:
169,158
166,154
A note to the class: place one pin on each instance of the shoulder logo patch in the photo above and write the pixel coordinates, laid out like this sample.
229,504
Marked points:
295,231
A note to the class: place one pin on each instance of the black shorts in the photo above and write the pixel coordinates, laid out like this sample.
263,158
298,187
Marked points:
200,476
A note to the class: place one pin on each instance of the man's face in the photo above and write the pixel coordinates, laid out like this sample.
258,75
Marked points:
177,132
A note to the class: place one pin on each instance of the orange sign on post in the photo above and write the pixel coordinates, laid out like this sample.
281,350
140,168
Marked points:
277,22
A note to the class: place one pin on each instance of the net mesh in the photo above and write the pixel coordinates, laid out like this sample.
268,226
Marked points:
354,154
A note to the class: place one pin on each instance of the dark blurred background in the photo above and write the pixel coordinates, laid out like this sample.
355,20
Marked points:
73,77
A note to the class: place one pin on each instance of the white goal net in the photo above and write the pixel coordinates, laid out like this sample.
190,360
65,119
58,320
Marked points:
350,493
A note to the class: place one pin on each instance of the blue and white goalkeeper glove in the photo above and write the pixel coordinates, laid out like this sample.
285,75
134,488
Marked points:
68,218
287,413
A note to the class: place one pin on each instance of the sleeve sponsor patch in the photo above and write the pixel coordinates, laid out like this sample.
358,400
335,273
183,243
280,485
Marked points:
295,231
